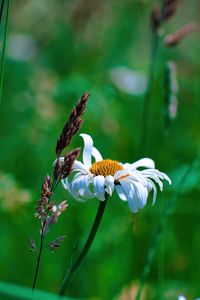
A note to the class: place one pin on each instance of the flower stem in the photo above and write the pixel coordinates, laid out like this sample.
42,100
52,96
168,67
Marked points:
39,256
151,74
147,96
42,234
72,270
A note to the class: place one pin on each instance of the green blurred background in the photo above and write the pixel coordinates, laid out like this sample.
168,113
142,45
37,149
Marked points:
56,50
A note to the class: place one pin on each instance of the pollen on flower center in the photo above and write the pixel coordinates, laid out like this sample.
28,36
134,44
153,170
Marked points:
105,167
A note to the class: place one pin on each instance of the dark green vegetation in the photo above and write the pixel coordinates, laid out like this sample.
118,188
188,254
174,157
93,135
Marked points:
56,50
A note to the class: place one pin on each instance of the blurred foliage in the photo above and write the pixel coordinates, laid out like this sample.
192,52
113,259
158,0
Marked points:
11,196
18,292
56,50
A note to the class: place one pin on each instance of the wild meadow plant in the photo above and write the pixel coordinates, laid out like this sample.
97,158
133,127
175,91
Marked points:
95,177
100,179
159,15
47,211
91,180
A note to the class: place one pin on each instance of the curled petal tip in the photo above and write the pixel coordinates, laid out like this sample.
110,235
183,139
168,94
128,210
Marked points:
85,135
168,179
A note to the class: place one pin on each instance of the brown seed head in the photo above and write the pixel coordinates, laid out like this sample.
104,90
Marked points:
41,209
159,15
62,206
50,206
57,168
72,125
69,159
170,92
54,245
32,245
57,210
170,8
46,187
175,38
155,18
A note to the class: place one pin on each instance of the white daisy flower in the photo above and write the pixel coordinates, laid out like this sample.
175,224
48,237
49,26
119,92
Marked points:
104,175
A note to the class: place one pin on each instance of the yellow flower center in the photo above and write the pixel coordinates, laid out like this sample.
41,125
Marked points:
105,167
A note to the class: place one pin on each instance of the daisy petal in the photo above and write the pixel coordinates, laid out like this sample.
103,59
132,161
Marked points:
142,194
73,189
79,167
126,166
78,198
120,192
120,174
96,154
99,188
65,183
109,184
144,162
87,150
154,193
167,178
133,202
131,195
136,176
155,175
84,190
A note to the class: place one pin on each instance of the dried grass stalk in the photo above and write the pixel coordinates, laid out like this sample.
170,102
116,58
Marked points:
170,8
69,159
43,202
175,38
72,125
159,15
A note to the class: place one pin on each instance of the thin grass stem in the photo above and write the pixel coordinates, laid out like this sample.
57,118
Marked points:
147,97
39,256
53,187
1,10
4,41
73,269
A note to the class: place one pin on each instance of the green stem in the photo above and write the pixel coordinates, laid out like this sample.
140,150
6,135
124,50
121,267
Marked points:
147,96
53,187
39,256
3,44
1,10
71,272
151,74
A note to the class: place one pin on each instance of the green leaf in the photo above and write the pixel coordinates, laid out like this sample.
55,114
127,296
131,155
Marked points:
25,293
3,42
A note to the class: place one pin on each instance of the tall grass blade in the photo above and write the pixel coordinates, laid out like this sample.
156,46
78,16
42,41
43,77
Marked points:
24,293
4,7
